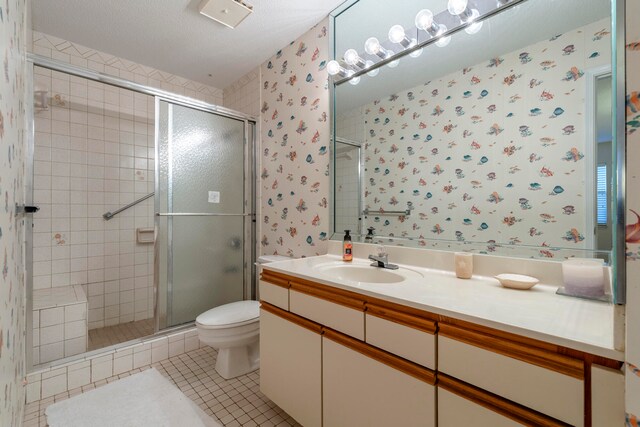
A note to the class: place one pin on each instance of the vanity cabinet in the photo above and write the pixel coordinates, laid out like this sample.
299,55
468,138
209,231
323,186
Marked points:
291,364
365,386
340,358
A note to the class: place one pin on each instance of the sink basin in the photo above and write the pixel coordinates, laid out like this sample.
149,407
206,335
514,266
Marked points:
366,273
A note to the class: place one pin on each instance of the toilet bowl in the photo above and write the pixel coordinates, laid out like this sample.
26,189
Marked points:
233,329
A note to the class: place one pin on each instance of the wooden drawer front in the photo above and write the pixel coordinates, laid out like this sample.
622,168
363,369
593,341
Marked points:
461,404
542,389
277,295
456,411
359,390
416,345
336,316
291,365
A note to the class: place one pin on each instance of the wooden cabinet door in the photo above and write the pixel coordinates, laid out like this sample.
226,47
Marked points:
290,364
363,386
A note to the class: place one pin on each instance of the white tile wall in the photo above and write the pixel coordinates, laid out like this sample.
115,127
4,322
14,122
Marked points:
51,381
95,153
244,94
59,323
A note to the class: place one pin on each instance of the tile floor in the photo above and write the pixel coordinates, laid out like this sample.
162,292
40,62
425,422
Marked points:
235,402
123,332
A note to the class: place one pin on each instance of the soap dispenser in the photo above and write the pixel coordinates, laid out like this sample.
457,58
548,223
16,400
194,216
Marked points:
369,237
347,247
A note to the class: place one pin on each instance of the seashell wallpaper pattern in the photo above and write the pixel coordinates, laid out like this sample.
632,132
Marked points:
494,152
294,177
12,143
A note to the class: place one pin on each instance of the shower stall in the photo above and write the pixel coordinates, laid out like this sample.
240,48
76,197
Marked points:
143,211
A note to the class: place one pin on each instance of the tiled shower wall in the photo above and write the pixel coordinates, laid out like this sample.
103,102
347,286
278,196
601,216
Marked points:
94,152
244,94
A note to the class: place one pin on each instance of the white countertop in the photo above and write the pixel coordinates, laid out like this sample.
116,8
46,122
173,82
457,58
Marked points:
536,313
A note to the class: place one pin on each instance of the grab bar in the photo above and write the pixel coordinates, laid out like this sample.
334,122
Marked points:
381,212
108,215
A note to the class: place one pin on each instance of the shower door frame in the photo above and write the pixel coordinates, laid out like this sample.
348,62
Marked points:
250,123
249,216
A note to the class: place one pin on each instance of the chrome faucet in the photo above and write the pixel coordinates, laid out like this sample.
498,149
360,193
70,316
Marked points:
382,260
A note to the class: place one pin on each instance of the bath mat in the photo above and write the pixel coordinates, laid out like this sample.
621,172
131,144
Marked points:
143,399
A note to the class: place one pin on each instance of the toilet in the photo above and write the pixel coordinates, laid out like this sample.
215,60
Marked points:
233,329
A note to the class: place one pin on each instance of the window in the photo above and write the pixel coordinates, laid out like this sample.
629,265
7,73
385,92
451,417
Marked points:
601,195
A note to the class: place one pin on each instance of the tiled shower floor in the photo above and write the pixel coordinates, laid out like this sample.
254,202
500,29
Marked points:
116,334
235,402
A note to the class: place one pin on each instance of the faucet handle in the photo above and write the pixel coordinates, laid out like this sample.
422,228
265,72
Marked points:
380,250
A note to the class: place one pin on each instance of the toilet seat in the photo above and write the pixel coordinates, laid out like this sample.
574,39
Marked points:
230,315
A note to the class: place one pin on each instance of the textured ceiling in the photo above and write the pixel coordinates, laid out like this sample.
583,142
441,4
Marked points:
172,36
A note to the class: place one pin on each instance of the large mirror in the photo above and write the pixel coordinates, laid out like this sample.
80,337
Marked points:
498,137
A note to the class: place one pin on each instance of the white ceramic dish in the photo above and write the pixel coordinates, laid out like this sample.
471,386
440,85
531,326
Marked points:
516,281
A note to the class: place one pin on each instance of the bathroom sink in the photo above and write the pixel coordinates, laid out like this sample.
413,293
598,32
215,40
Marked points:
364,273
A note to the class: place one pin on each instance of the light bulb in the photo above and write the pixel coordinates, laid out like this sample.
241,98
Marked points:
392,64
424,19
396,34
442,41
475,26
368,64
333,67
415,53
372,46
351,57
456,7
354,81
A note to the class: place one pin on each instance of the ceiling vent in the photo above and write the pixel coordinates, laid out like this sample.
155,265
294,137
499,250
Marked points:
227,12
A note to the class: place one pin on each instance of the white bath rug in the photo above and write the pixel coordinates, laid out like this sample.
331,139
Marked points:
144,399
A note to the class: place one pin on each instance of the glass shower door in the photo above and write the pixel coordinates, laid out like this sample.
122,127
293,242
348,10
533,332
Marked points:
201,212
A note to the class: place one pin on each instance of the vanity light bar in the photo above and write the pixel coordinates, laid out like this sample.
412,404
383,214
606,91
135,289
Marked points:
460,14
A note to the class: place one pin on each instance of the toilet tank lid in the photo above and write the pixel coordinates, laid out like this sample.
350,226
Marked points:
265,259
228,314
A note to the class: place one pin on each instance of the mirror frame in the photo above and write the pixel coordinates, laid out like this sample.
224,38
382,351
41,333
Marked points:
618,251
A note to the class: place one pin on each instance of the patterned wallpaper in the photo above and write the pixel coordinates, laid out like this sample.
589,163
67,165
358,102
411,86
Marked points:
632,378
495,151
12,145
294,178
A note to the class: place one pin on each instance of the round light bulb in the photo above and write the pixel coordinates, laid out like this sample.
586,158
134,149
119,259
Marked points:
424,19
369,64
354,81
475,26
456,7
351,57
372,46
393,64
396,34
333,67
442,41
415,53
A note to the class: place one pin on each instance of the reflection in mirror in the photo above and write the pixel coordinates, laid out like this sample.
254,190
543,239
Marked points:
500,138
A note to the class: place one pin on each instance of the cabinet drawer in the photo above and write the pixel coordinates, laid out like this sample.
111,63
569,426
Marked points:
277,295
404,335
547,382
331,314
461,404
364,386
